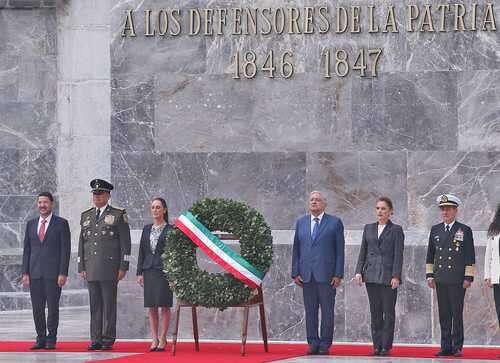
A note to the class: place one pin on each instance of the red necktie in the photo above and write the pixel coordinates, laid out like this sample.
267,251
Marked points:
41,233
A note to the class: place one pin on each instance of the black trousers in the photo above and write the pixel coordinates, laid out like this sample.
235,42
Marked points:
45,292
102,296
450,299
382,300
496,295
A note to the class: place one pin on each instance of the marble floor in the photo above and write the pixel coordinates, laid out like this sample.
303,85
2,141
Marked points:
18,324
374,360
54,357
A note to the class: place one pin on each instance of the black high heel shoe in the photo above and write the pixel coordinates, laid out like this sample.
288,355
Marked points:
154,346
161,348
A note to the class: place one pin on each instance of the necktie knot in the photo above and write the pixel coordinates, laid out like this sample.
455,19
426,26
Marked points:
447,228
44,221
316,219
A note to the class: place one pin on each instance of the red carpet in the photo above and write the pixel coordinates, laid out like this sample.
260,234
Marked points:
230,352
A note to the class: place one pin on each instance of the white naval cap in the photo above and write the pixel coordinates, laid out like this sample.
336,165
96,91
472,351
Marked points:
448,199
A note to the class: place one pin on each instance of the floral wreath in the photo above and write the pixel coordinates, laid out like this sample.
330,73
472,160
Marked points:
219,290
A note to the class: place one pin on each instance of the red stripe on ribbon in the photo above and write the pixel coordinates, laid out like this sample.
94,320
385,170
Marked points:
214,256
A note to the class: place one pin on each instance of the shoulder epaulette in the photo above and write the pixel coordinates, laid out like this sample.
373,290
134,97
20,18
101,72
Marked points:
87,210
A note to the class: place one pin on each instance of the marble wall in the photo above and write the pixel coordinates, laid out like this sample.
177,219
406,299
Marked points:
162,116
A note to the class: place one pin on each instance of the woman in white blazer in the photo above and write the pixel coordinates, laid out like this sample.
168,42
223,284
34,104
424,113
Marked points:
492,260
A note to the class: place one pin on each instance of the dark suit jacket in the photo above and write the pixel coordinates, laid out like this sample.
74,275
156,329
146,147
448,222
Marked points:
322,258
49,258
450,256
381,259
151,259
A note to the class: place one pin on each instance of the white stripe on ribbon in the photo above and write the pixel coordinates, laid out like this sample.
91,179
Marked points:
206,241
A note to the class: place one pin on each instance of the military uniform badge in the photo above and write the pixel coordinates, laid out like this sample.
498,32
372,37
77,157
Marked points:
109,219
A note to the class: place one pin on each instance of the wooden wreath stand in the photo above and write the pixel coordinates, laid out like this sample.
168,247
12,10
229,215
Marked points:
256,300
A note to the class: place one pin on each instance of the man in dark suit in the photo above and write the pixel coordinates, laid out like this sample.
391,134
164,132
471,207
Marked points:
47,249
450,270
103,260
318,267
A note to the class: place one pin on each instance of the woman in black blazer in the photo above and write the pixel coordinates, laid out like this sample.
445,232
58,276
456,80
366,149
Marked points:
150,273
379,265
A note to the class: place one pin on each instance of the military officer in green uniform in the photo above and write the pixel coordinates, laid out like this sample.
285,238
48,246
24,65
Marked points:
450,270
103,260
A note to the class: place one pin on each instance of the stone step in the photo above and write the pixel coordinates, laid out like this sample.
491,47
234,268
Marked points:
18,325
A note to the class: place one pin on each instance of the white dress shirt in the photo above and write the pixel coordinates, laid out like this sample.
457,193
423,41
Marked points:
49,217
451,225
320,217
380,229
102,210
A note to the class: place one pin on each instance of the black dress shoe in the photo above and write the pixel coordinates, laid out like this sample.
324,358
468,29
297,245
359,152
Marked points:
443,353
50,346
312,351
107,347
38,345
375,352
324,352
95,346
458,353
384,352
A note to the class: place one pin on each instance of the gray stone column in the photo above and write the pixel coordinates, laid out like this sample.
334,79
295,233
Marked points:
83,108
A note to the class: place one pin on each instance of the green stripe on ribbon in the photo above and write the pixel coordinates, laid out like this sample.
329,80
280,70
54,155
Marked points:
227,250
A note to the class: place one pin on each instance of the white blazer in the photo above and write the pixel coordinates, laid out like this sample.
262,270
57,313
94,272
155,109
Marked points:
492,260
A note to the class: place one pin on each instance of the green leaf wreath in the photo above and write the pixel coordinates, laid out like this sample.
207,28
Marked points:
219,290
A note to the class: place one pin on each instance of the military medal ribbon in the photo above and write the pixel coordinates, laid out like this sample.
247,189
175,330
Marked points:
223,255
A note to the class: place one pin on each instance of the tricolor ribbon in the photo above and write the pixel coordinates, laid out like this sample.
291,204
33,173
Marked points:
218,251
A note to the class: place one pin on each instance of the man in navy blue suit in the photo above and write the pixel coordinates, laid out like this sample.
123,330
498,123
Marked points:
47,249
318,267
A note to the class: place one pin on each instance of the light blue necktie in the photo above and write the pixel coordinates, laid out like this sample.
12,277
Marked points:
315,228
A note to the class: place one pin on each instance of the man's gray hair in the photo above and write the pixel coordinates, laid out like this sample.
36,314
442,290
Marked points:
318,192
